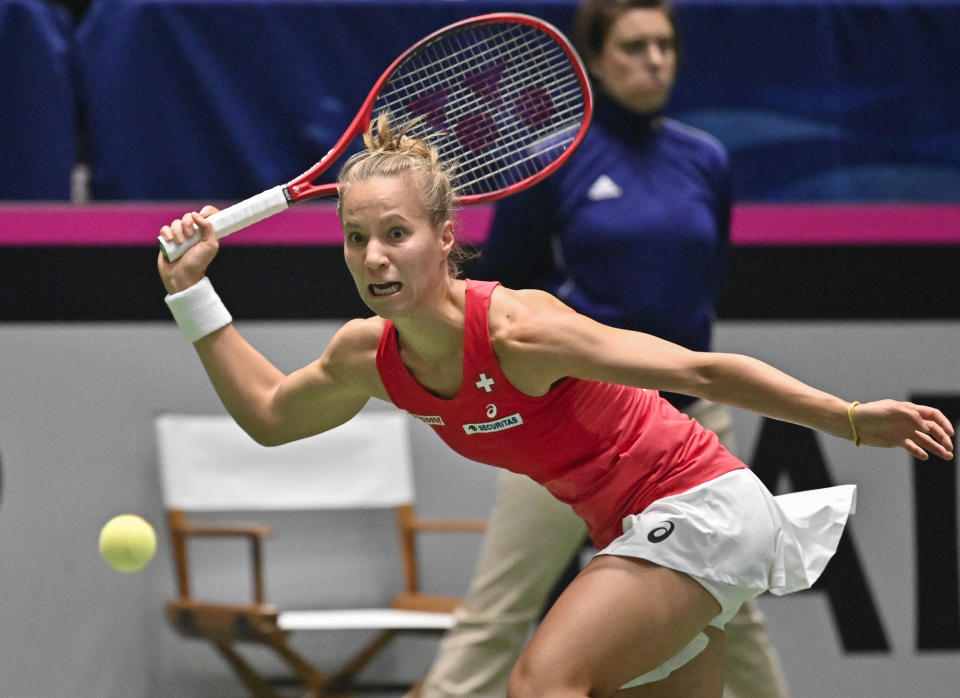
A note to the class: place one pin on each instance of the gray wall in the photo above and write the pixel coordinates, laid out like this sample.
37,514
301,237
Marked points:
76,443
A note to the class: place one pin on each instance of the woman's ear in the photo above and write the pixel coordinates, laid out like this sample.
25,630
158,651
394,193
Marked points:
447,238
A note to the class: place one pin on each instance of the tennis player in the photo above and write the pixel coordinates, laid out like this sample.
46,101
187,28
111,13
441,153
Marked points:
517,380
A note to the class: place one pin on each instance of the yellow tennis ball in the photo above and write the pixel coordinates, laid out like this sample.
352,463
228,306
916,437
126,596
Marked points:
127,543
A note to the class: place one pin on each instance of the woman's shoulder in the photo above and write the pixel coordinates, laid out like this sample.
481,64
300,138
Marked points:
519,314
520,300
356,337
693,139
692,134
525,333
351,355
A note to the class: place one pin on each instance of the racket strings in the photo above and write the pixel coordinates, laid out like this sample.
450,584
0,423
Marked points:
451,53
499,103
531,58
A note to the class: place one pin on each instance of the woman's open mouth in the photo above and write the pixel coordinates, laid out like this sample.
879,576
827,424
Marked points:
385,289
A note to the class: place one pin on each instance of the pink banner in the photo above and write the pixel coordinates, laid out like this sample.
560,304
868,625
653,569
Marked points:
317,224
846,224
139,224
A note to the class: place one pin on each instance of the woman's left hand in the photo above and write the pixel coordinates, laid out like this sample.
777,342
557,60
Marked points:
920,429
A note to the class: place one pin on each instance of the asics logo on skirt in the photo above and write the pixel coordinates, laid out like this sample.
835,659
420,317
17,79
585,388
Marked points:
661,532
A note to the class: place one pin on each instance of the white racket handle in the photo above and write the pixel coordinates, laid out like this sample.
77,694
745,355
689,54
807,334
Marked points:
233,218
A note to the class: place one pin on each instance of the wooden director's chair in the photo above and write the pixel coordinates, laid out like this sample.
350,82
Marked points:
208,464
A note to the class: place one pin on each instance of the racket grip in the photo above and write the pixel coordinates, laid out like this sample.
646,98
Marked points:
233,218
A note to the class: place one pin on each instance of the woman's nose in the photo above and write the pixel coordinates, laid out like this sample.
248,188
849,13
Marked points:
374,255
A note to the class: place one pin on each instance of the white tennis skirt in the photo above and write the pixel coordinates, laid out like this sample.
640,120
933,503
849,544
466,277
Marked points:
738,540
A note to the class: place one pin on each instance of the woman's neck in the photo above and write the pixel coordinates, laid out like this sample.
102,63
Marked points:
436,331
431,345
628,124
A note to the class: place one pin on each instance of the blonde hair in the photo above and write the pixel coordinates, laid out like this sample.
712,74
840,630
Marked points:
390,152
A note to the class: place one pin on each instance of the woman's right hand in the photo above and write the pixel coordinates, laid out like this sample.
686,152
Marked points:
192,266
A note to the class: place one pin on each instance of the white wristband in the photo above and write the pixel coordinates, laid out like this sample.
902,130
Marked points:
198,310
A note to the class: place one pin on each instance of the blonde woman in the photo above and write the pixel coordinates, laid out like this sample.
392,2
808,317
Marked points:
688,532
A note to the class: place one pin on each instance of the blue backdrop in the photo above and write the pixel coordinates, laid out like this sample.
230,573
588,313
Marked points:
219,99
38,101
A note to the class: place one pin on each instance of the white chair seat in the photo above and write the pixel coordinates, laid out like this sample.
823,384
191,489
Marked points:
364,618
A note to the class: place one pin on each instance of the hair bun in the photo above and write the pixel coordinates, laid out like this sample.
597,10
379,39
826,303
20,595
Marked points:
383,137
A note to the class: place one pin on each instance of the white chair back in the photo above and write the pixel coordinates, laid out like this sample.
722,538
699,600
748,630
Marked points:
208,463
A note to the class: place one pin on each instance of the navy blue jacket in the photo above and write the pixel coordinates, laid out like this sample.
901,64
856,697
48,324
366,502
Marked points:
631,231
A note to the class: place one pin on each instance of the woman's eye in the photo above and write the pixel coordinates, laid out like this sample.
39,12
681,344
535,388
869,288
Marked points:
397,233
354,238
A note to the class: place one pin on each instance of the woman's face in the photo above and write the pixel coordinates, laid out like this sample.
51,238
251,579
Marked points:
638,62
397,258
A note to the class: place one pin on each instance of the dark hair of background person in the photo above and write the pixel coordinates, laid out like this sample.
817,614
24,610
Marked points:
594,18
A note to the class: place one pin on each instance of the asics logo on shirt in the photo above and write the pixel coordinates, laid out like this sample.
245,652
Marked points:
604,188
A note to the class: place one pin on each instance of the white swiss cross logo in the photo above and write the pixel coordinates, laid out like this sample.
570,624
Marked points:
484,383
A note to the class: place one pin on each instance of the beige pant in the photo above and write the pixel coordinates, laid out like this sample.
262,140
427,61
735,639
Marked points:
530,540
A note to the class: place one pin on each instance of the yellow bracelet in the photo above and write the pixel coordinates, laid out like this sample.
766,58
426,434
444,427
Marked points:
853,424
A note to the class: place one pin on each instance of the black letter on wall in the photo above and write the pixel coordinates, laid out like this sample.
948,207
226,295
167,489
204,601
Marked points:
935,504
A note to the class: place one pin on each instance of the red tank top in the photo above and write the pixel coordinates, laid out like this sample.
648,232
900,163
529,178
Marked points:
607,450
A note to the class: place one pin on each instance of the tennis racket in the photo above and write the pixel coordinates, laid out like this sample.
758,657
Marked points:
503,97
